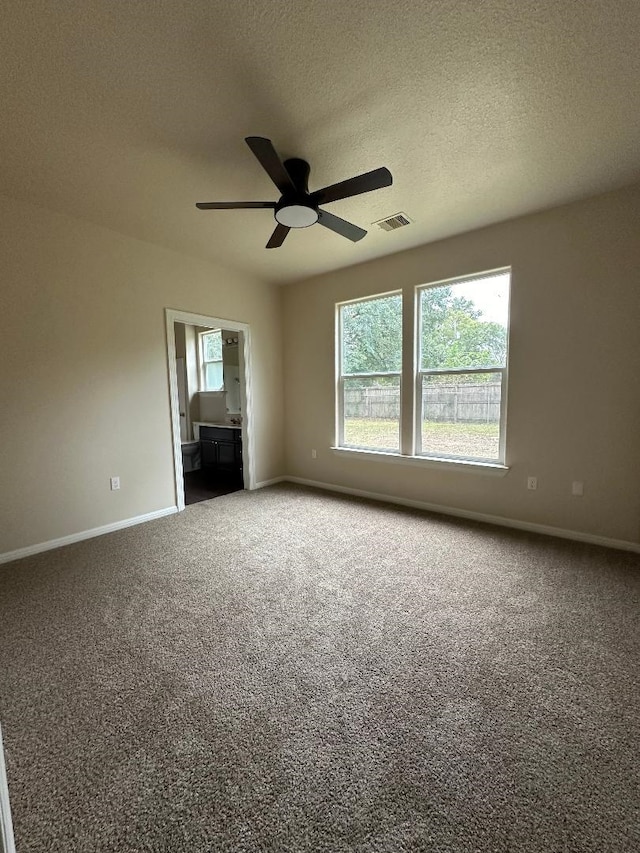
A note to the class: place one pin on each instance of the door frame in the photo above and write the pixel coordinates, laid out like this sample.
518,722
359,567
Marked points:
7,842
246,403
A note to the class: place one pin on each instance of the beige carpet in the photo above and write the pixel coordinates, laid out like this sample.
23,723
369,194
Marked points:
288,670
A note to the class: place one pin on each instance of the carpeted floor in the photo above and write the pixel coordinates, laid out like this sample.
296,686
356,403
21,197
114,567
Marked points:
287,670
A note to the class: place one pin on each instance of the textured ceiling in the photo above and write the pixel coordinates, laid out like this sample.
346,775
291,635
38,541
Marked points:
126,113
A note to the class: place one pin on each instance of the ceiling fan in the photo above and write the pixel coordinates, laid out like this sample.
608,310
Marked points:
297,207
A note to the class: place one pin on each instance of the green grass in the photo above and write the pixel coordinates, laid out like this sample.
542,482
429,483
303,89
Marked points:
479,440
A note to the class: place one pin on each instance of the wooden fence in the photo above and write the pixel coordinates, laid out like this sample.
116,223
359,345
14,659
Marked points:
463,403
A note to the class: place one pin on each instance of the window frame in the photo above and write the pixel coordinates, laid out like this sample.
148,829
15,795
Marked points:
416,455
203,362
419,374
340,376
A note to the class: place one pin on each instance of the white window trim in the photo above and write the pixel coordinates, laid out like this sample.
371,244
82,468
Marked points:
502,370
452,463
339,388
418,458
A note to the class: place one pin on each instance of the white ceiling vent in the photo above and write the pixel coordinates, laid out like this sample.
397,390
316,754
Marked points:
398,220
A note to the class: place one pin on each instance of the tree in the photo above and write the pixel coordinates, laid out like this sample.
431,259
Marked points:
453,334
372,335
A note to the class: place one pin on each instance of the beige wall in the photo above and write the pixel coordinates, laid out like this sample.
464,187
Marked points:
84,389
83,380
574,389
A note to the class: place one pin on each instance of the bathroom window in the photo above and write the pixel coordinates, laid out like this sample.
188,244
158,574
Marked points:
211,376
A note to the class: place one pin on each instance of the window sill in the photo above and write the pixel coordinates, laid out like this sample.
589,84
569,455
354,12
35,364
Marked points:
491,468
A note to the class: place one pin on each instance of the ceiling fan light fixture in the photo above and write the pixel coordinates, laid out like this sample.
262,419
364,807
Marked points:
296,216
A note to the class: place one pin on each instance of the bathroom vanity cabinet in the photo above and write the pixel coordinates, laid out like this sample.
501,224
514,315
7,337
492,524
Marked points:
221,453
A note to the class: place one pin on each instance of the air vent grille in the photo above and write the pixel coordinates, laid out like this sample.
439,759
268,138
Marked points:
398,220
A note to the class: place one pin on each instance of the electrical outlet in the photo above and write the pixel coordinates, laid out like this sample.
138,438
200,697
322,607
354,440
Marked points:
532,483
115,484
577,488
314,454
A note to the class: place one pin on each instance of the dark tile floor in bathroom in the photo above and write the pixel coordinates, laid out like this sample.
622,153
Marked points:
198,487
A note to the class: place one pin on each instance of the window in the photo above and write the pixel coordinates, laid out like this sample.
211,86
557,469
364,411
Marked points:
461,381
211,376
458,387
370,334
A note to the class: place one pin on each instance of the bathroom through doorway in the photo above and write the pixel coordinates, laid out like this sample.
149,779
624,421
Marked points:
209,372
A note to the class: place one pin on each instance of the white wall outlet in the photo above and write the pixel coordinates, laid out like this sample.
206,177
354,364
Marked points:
577,488
314,454
115,483
532,483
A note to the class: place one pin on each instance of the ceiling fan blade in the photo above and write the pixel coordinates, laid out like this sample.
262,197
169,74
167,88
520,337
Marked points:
271,163
374,180
341,226
233,205
277,238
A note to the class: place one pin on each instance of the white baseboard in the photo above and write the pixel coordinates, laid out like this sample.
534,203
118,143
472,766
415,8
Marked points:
85,534
272,482
7,844
547,530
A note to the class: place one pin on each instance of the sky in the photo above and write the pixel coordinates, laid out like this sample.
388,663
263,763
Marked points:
489,294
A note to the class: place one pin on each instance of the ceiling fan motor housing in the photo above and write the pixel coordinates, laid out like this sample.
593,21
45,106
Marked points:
299,172
296,210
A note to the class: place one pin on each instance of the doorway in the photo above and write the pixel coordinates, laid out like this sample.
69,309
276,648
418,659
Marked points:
209,361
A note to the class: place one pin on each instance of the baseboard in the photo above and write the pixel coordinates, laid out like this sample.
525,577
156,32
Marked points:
8,556
501,521
546,530
7,844
272,482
